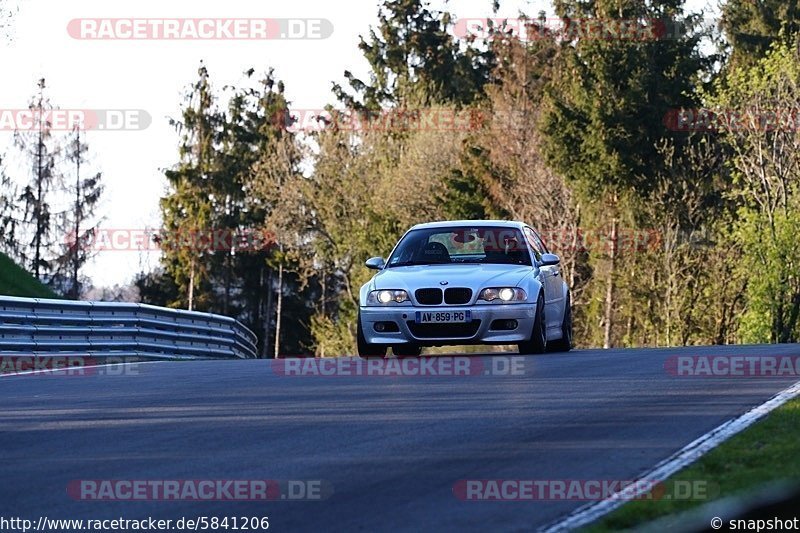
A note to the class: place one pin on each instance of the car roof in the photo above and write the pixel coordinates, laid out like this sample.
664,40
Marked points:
470,223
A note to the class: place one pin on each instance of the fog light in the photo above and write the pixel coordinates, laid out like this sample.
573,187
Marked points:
504,325
386,326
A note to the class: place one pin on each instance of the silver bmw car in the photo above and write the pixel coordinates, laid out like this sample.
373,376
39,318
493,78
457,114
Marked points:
465,282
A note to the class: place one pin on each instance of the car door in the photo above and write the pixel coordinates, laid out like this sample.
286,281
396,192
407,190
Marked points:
551,279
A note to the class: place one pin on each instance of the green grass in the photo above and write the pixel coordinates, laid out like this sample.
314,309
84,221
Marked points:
15,281
767,451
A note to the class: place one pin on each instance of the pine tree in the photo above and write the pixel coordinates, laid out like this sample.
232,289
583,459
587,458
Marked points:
79,220
258,153
187,208
752,27
41,149
411,50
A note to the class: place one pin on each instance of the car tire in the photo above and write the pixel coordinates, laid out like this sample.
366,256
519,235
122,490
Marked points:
365,349
564,344
406,350
538,342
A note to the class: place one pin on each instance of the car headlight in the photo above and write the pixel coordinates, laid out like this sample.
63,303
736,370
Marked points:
503,294
387,297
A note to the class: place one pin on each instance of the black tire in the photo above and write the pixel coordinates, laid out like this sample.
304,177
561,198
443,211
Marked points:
538,342
564,344
365,349
406,350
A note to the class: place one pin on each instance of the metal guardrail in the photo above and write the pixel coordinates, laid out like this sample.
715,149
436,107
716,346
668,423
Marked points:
42,327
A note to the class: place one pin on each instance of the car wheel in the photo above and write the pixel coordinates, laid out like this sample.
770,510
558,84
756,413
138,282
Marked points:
407,350
365,349
564,344
538,342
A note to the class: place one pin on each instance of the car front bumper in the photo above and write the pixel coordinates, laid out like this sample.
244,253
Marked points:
479,331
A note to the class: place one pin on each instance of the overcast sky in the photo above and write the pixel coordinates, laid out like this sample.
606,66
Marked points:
152,75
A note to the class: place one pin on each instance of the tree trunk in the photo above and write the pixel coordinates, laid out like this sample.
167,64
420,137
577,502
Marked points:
608,317
323,292
191,285
794,314
228,268
267,317
669,269
38,206
76,246
573,261
278,311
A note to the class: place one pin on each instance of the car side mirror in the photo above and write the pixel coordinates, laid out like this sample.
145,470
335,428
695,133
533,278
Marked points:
375,263
550,260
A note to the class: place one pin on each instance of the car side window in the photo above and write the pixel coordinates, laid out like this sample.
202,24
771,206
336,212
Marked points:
535,243
541,243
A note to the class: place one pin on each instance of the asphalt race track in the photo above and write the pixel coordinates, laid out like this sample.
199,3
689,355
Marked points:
390,448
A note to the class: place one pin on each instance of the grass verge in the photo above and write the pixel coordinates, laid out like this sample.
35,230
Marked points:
767,451
15,281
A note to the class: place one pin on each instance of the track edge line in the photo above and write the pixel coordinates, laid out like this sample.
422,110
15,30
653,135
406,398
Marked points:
688,454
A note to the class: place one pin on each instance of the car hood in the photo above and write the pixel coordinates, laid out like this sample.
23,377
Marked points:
475,277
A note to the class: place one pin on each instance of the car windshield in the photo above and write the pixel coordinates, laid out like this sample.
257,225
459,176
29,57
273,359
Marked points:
483,245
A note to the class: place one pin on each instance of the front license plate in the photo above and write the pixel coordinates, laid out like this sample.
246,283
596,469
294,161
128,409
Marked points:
443,317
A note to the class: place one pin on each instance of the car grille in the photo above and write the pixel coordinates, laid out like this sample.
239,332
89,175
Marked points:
429,296
441,331
457,296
